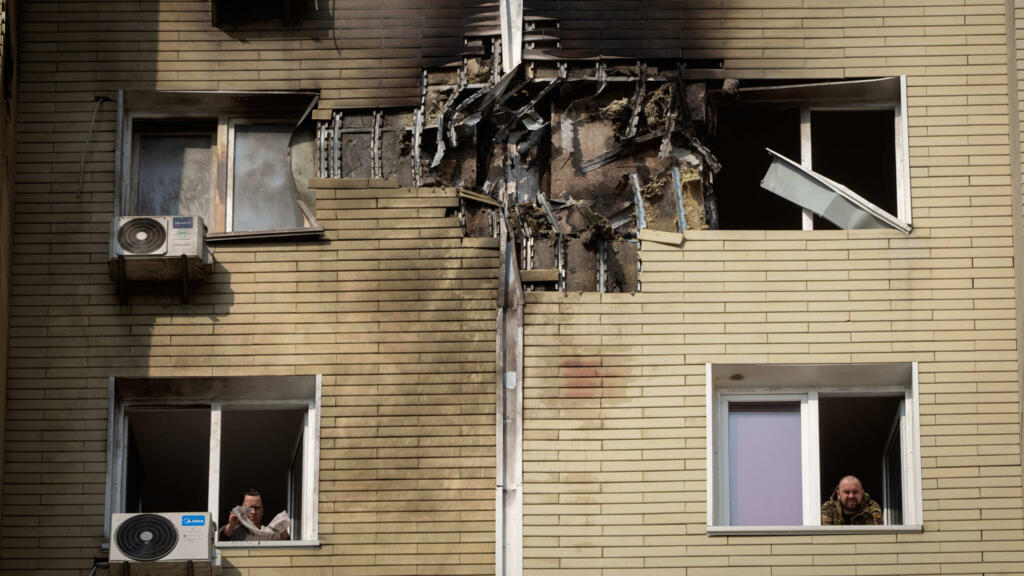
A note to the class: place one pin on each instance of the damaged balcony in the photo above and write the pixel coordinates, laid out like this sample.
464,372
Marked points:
580,159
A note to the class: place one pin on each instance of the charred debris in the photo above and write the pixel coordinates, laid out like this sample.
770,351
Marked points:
580,158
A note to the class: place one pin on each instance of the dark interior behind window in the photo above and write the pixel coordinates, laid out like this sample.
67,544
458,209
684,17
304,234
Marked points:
168,464
857,148
852,439
257,450
236,12
740,141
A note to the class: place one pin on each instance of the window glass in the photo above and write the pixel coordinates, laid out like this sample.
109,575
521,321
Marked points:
765,486
168,462
264,190
175,174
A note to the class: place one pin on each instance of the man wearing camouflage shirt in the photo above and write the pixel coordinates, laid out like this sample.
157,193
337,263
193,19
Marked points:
850,505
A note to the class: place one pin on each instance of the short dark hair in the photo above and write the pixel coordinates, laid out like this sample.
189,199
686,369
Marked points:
250,492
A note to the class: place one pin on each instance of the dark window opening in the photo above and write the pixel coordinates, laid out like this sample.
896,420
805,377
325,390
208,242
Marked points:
168,460
740,140
237,12
262,449
857,148
860,436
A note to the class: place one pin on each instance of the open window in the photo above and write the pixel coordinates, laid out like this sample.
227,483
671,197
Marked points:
845,140
782,436
241,162
187,445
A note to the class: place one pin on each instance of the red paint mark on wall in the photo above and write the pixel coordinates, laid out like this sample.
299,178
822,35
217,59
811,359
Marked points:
580,378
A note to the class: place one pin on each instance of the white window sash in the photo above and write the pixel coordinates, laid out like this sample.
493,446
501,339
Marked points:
722,449
213,489
810,461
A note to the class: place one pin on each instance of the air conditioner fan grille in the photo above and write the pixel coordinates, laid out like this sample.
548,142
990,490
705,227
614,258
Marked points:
146,537
141,235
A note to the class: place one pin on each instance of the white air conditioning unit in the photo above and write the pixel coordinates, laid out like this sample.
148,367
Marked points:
162,538
169,236
158,248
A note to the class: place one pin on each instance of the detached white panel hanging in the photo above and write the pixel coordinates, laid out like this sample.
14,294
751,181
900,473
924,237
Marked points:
826,198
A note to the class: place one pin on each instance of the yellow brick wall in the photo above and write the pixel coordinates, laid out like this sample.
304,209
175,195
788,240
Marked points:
615,430
359,53
395,308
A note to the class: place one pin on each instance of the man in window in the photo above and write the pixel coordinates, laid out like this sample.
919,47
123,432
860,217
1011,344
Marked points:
244,523
850,505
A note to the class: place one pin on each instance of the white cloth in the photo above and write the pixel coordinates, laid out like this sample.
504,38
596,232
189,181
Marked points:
271,531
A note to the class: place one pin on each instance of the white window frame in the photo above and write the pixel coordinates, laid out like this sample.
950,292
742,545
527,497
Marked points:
850,95
804,384
901,146
117,442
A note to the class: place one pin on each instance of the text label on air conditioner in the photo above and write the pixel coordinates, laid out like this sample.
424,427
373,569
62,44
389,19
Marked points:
197,520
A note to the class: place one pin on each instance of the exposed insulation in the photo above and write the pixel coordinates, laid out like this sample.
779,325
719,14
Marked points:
581,266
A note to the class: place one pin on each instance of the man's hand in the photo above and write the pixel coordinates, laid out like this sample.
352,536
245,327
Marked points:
233,523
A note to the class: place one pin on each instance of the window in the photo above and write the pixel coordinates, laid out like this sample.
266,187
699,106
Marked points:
849,136
186,445
782,436
240,162
239,12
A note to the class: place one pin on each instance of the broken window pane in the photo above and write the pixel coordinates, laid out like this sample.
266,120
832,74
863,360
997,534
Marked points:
264,191
846,131
740,141
824,197
175,174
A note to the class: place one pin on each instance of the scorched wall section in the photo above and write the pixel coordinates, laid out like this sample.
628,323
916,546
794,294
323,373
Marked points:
394,308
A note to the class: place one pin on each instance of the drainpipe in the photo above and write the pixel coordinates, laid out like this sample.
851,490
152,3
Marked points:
508,518
509,412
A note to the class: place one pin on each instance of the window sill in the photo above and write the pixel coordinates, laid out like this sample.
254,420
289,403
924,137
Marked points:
803,530
218,237
314,544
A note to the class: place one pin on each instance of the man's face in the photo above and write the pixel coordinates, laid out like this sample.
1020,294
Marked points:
256,503
850,495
